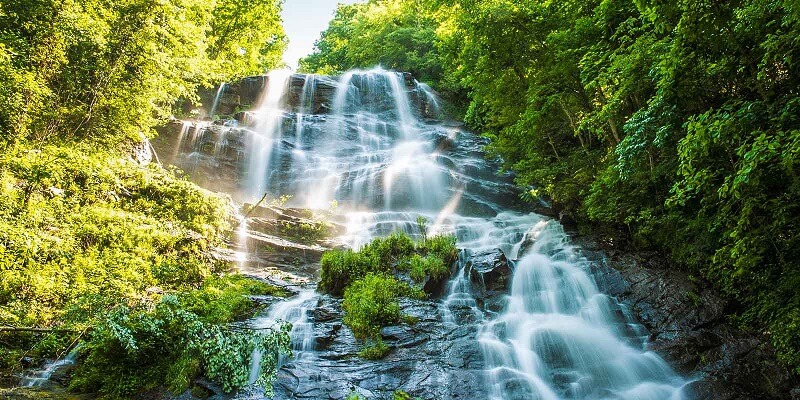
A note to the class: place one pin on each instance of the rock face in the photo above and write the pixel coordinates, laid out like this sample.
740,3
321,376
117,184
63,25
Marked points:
281,245
427,359
688,327
247,94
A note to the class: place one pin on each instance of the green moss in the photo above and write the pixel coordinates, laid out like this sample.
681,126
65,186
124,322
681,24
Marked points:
306,232
226,299
375,351
401,395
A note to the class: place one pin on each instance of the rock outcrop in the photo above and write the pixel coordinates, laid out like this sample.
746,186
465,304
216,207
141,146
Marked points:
428,359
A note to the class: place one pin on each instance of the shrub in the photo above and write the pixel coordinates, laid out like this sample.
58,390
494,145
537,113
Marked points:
80,230
440,246
422,267
341,267
226,299
397,251
390,249
401,395
371,303
150,345
89,239
371,293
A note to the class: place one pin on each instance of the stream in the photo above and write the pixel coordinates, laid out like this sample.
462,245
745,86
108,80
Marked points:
370,147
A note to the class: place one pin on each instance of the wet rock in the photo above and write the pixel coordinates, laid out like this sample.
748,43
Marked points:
566,220
428,359
490,270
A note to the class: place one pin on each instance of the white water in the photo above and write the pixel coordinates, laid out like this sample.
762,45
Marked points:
560,338
39,378
554,337
294,311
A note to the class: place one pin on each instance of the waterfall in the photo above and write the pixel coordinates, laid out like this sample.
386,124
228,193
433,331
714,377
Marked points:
295,312
39,378
215,104
266,133
365,141
560,338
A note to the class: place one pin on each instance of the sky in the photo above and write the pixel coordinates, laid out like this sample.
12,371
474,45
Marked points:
303,21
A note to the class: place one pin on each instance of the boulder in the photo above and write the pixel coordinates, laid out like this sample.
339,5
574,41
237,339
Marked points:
490,271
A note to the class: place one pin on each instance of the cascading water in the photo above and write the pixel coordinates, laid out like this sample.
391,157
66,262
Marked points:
560,338
359,141
39,378
295,312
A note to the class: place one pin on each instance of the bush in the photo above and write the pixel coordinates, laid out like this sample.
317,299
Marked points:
371,293
226,299
383,255
390,249
341,267
401,395
163,344
422,267
371,303
80,230
92,242
442,247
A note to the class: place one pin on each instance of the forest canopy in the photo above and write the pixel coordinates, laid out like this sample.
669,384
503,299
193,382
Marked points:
677,122
111,70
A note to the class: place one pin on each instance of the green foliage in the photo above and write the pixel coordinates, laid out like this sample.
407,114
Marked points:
429,266
89,240
134,349
422,226
305,232
431,257
441,247
223,300
341,267
78,231
370,303
394,34
390,249
371,293
84,232
401,395
375,350
354,396
111,70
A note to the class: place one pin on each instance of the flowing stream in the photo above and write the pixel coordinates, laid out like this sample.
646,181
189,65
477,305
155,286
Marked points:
369,144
